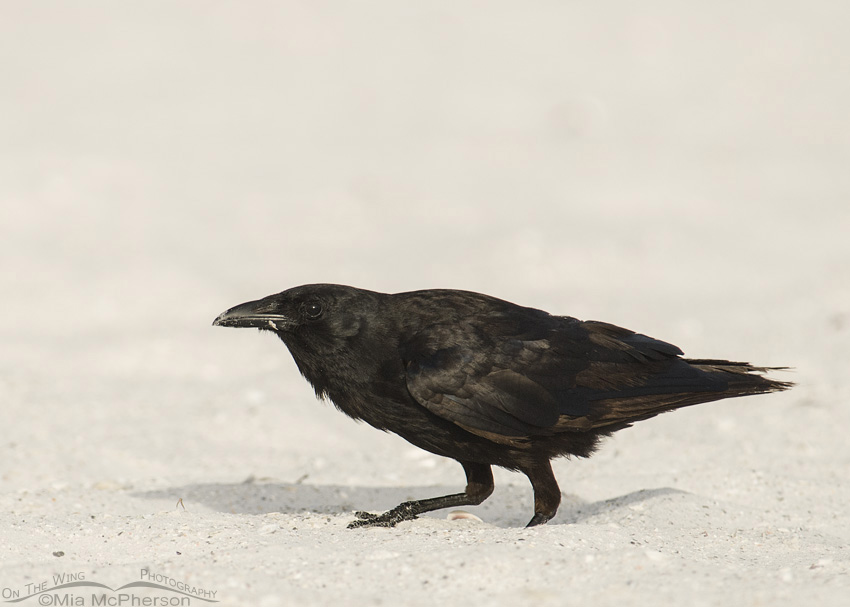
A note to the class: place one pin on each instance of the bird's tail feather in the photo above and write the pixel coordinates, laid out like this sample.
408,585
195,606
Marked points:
740,379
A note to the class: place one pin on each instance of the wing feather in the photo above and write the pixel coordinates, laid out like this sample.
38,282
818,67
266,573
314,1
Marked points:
509,378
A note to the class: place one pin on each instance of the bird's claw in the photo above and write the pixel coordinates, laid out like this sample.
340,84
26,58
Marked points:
390,518
365,516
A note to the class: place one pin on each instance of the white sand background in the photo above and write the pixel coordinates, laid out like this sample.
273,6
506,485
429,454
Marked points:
678,168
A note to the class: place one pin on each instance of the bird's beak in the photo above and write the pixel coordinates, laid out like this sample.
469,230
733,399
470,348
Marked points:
259,314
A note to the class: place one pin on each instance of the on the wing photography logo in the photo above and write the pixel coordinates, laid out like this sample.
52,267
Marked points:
74,590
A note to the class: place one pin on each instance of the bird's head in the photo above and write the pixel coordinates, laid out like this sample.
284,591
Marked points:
309,317
336,334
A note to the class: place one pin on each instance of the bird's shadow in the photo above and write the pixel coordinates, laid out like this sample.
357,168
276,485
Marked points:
262,497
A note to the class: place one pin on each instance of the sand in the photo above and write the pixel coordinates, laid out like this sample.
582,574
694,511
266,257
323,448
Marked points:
678,170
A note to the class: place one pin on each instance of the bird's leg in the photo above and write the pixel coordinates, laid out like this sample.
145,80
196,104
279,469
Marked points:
547,494
479,486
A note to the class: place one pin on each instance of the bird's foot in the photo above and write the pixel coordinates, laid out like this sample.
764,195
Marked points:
539,519
365,516
390,518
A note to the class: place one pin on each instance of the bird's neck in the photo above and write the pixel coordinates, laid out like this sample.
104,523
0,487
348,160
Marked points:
351,370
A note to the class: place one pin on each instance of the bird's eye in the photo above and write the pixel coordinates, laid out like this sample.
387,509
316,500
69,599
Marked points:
313,309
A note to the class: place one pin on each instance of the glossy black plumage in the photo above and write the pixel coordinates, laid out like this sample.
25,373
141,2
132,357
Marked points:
484,381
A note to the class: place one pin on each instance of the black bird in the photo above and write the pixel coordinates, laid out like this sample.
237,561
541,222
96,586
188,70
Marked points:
484,381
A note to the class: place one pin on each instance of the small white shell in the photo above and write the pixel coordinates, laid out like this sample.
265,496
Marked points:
455,515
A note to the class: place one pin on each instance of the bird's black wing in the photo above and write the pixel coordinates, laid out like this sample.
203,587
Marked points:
478,382
526,377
